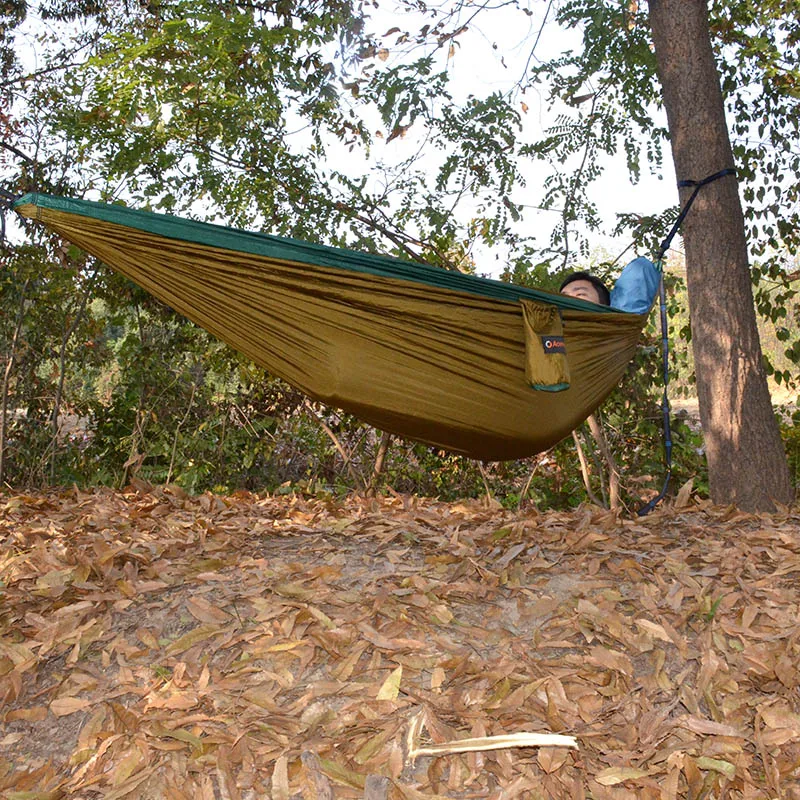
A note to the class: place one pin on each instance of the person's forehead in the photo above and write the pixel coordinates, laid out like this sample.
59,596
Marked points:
581,283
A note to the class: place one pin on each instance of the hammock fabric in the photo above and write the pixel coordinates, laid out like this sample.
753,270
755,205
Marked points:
441,357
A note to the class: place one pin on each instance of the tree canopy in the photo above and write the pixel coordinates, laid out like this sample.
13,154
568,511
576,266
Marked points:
248,108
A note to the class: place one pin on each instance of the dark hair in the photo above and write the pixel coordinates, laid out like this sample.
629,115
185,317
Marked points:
602,292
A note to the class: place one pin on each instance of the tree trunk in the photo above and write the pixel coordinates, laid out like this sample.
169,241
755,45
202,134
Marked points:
746,460
62,373
10,359
599,437
380,459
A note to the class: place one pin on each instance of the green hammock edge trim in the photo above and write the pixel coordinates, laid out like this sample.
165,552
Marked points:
549,387
286,249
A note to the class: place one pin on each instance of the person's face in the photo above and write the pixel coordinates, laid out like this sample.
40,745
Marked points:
583,290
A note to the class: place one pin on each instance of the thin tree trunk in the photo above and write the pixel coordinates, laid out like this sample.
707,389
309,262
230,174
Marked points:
135,458
587,483
348,461
12,355
62,356
380,459
485,477
529,480
599,437
177,434
746,461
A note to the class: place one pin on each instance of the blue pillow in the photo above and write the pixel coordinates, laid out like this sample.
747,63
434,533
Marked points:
636,287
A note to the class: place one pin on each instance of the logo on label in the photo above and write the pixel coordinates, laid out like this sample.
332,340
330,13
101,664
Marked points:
554,344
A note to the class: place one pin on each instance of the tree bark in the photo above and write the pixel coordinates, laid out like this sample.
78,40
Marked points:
10,359
599,437
746,460
62,373
380,459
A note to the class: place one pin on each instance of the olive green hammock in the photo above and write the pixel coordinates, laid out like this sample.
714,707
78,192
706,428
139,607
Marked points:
474,366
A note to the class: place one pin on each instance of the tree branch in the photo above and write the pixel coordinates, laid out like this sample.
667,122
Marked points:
613,472
357,479
585,470
16,152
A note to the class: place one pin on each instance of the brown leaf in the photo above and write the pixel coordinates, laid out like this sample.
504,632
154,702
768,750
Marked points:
684,494
551,759
615,775
204,611
280,779
780,716
194,637
707,726
594,622
64,706
33,714
612,659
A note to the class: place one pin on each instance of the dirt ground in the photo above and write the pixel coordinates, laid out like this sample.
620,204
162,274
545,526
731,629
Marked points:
785,401
156,645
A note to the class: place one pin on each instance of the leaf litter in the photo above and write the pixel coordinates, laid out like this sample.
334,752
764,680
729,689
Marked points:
159,645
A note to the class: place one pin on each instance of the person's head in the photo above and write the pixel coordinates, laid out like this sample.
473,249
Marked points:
586,287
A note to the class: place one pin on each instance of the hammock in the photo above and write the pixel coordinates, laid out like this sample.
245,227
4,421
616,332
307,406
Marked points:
474,366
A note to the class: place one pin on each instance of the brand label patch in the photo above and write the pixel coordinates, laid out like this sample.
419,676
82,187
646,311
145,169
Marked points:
554,344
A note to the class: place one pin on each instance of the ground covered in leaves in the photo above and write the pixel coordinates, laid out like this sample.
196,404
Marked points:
155,645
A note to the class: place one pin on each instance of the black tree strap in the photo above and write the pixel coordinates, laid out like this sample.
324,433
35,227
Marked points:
665,410
698,185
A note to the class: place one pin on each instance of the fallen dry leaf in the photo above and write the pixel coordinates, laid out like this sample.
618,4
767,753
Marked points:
391,686
64,706
614,775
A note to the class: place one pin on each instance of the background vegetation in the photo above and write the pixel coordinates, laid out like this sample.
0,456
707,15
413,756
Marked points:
139,392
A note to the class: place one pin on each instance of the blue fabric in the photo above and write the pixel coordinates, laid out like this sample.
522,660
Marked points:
636,287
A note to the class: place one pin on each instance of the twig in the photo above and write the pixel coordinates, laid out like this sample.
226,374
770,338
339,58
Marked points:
17,152
585,469
358,479
502,742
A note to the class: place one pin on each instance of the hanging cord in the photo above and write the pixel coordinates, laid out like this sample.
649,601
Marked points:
662,296
7,198
6,202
